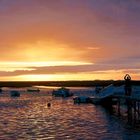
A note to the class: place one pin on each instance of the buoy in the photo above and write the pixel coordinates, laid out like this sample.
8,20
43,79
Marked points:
49,104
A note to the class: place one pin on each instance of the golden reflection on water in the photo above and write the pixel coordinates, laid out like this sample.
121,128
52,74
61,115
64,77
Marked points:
29,117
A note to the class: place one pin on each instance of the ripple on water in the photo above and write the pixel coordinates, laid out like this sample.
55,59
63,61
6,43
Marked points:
28,117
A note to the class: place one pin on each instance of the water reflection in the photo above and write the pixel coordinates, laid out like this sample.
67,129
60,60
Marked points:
29,117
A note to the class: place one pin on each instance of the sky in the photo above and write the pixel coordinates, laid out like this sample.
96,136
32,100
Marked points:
46,40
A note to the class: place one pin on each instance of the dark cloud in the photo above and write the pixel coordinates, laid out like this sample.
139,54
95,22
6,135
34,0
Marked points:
72,69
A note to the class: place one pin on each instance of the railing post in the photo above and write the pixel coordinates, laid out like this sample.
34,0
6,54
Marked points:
119,112
134,104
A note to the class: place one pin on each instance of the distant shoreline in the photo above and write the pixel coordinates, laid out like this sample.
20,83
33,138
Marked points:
64,83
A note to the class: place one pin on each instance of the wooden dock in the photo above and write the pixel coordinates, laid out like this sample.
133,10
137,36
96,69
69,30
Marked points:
129,105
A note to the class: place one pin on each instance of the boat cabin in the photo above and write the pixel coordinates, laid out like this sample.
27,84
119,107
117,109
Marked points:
62,92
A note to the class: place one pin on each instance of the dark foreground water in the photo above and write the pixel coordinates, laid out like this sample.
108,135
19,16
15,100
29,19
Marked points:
29,118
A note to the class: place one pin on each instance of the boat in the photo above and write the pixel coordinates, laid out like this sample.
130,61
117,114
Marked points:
33,90
62,92
104,95
15,93
82,99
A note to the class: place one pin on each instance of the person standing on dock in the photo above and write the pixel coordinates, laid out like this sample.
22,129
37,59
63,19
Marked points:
128,87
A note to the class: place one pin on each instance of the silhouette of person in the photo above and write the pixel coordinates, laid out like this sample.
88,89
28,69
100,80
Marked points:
127,87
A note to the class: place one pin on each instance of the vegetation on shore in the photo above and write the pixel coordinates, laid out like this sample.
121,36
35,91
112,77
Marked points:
64,83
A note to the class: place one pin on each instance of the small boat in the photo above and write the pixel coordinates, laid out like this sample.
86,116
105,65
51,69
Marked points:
82,99
33,90
62,92
15,93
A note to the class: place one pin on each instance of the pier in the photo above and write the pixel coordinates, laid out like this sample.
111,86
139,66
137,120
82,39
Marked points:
129,105
126,106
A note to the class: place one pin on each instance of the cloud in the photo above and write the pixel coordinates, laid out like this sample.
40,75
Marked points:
96,68
75,28
69,21
132,71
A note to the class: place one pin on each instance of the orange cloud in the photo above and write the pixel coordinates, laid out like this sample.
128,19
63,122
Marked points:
105,33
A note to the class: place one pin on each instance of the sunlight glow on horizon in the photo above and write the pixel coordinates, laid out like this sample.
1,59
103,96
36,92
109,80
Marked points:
58,77
12,66
104,75
69,40
64,76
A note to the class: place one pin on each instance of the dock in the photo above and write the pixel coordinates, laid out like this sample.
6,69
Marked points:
131,105
123,105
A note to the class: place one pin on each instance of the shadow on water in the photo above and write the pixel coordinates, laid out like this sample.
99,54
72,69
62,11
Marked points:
127,130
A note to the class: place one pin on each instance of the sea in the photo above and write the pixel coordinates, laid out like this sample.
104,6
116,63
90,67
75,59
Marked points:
28,117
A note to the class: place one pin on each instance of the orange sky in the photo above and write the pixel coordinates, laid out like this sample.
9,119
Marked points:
69,40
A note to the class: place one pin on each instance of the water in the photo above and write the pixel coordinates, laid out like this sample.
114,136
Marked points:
29,118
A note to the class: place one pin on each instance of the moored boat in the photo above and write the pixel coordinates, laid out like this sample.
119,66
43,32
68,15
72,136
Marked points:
82,99
15,93
33,89
62,92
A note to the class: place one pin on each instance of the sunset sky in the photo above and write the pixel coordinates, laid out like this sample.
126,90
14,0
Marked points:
69,39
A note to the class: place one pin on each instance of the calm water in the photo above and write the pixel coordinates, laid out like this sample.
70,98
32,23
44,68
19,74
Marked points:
29,118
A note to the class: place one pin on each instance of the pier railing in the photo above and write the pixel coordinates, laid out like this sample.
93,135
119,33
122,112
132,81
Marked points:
132,104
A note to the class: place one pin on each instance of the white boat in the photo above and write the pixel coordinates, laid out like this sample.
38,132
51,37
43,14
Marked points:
105,92
62,92
82,99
